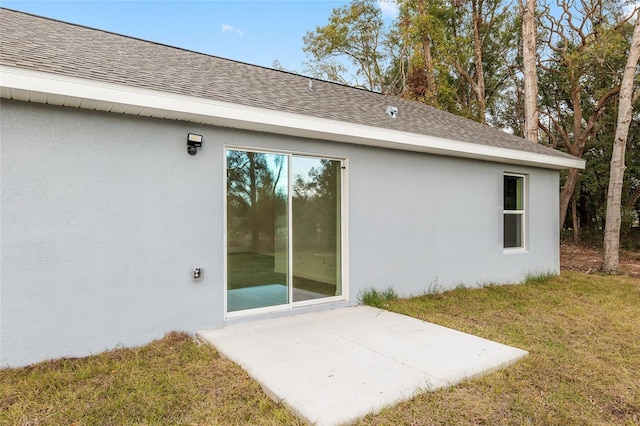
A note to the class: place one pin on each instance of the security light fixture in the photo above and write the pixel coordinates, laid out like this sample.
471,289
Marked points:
194,142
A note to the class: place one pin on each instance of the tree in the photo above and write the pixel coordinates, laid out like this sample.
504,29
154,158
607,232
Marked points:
355,34
529,48
590,195
476,80
614,195
578,84
419,23
457,52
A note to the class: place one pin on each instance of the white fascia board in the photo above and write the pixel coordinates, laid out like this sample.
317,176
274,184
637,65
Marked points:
64,90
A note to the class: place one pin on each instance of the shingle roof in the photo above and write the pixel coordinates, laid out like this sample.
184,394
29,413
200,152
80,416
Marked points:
42,44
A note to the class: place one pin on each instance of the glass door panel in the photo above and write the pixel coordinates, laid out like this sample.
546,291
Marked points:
315,222
257,230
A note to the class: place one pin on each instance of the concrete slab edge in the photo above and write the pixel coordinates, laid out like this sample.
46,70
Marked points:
271,394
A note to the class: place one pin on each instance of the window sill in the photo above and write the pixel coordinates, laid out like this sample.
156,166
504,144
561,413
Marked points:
514,250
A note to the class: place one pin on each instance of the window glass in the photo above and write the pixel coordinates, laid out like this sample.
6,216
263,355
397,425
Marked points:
315,211
514,211
257,230
512,230
513,192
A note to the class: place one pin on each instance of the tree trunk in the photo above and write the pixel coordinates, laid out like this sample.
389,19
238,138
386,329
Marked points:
431,76
616,175
566,193
576,222
476,6
431,92
576,149
529,45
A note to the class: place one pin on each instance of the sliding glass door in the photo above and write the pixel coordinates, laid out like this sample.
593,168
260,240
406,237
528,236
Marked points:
316,228
283,229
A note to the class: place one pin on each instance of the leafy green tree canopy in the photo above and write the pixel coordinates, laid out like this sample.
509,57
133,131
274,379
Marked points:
355,38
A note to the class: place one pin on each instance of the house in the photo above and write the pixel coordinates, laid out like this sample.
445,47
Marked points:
147,188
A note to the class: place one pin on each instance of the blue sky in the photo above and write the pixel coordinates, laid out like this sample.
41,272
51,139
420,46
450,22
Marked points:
257,32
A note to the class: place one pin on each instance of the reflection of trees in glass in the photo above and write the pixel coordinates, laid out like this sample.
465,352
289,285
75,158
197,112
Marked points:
315,203
255,202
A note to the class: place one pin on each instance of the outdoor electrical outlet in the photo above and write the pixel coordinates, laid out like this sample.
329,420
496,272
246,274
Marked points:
197,273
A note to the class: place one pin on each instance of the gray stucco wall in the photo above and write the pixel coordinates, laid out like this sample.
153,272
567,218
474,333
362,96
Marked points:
437,223
104,216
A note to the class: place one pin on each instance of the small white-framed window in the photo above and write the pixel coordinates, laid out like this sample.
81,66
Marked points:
514,211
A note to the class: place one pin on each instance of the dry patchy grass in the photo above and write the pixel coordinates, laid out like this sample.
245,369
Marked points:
584,368
582,332
172,381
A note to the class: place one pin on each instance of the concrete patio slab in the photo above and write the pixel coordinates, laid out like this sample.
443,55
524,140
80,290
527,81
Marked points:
334,367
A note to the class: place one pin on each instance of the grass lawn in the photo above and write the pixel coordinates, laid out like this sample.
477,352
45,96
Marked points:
582,332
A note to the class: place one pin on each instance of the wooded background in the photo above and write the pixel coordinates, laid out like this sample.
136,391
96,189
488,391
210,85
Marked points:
470,57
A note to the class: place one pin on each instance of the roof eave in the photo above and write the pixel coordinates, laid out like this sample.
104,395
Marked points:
42,87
